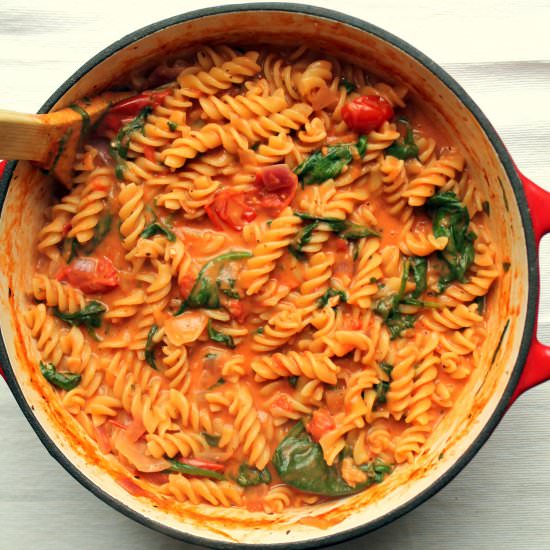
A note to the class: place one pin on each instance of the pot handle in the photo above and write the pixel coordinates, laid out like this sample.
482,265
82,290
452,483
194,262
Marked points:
537,365
2,166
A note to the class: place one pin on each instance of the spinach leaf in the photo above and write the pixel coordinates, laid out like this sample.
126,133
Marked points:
219,382
343,228
64,380
101,230
172,125
481,303
120,145
302,238
157,228
211,440
388,307
450,219
407,148
399,323
85,128
150,347
419,268
293,381
217,336
204,293
382,389
318,167
330,292
349,86
299,462
250,476
60,148
361,146
335,224
377,470
89,316
226,285
181,468
354,231
386,367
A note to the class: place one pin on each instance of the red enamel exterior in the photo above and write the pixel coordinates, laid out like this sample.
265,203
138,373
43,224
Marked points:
537,366
2,166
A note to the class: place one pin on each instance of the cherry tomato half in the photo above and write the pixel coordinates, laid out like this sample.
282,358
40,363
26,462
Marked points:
91,275
366,113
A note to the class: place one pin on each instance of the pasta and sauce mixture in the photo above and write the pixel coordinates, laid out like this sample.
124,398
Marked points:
268,282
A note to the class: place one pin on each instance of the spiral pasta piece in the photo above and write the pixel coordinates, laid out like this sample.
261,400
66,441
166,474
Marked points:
433,176
200,490
312,365
197,82
57,294
363,285
264,256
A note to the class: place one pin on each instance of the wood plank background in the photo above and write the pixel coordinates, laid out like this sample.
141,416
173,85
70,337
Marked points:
500,52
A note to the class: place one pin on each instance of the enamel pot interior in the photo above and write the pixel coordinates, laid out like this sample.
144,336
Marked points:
484,398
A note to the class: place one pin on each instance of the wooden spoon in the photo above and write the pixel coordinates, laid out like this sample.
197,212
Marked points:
53,139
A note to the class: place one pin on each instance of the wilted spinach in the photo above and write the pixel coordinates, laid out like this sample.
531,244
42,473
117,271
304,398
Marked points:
120,145
220,337
318,167
187,469
157,228
389,307
64,380
249,476
299,462
405,149
205,291
89,316
450,219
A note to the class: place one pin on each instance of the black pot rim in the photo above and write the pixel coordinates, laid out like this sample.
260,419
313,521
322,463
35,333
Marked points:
533,279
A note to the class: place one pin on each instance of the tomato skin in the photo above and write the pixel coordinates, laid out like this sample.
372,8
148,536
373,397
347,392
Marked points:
276,187
366,113
91,275
205,464
321,422
236,310
186,285
149,153
124,111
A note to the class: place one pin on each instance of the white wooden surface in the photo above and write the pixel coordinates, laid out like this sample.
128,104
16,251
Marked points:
500,52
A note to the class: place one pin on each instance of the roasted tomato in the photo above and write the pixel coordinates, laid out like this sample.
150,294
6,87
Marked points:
91,275
276,186
366,113
231,208
124,111
321,422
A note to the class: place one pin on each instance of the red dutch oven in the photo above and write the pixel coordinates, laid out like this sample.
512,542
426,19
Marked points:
512,359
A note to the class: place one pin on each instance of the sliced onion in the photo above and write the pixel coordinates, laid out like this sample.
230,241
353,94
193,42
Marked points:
85,265
323,97
135,430
135,454
185,328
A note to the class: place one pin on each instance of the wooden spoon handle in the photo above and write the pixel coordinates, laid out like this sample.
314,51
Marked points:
27,137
